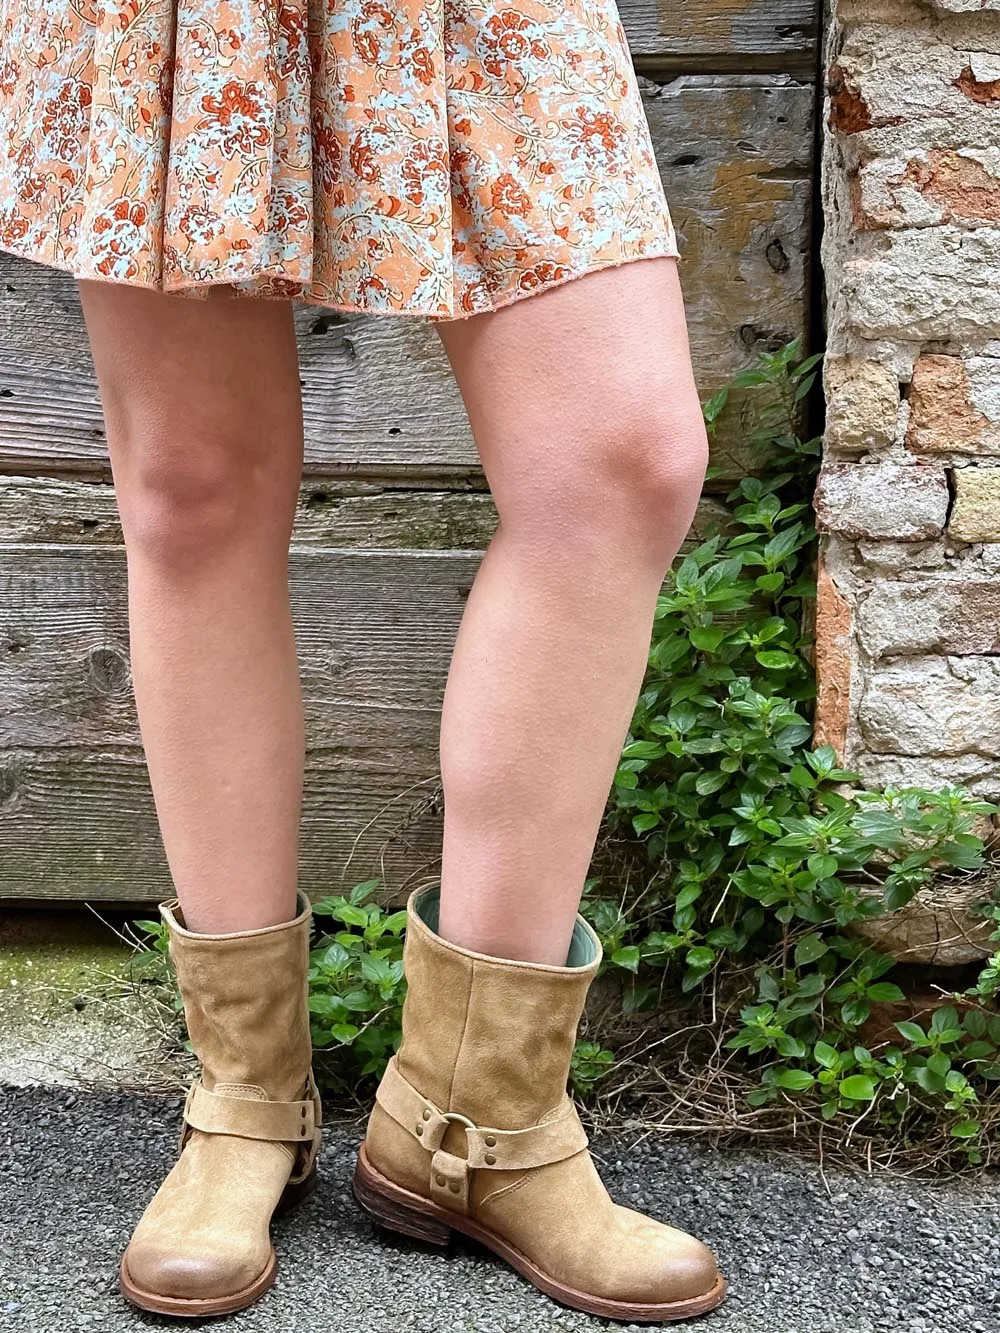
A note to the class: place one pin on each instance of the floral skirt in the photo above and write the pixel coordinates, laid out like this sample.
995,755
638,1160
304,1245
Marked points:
395,156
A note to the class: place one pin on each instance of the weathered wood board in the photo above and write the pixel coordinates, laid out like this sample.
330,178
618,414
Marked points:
79,825
330,513
748,34
736,157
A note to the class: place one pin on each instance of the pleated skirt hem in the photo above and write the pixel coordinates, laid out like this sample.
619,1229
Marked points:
262,289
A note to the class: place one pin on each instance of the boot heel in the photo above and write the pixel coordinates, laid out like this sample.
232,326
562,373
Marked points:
295,1194
390,1211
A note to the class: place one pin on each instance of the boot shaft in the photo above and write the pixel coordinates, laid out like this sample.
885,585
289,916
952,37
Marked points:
246,1002
489,1038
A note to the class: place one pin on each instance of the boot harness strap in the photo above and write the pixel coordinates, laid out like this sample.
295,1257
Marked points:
488,1149
246,1118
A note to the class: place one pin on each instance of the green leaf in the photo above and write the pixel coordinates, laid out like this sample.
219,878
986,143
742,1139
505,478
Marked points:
688,895
822,866
913,1032
395,924
809,949
825,1055
794,1080
708,638
944,1019
351,916
965,1129
628,958
857,1088
775,660
706,783
643,750
362,892
649,819
854,1012
885,992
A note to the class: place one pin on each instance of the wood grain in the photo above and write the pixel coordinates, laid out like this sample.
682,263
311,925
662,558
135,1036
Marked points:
79,825
330,512
748,34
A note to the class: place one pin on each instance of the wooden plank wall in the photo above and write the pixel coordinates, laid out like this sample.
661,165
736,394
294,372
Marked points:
393,514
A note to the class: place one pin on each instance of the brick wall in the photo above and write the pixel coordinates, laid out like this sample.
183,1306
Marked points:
908,632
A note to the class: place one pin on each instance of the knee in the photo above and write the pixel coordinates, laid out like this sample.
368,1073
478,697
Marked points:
185,502
637,479
656,462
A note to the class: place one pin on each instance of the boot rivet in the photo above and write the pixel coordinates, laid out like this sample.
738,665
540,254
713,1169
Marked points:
303,1131
490,1159
427,1115
420,1130
303,1113
453,1187
441,1180
490,1141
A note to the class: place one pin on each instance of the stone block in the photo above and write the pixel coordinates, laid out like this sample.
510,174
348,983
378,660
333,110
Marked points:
975,516
859,500
955,405
894,74
965,6
884,557
923,283
939,927
927,187
943,616
974,773
862,404
933,706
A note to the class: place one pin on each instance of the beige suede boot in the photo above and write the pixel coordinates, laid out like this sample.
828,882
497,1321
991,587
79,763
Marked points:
251,1123
473,1131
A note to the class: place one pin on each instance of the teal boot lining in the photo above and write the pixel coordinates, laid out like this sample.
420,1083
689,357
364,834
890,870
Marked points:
427,906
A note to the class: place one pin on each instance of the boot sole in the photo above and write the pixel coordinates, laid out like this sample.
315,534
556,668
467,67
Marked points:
182,1308
397,1209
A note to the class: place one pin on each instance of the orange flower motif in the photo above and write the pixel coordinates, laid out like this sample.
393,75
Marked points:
238,111
363,158
119,230
13,227
426,165
365,30
540,275
509,198
9,70
509,37
121,211
423,65
66,117
328,153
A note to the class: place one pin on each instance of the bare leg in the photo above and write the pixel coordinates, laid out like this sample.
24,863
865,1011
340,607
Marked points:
588,423
201,400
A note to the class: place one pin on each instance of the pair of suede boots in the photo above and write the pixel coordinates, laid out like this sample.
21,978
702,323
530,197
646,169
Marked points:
472,1131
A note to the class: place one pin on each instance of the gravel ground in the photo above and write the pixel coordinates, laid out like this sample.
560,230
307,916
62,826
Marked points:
851,1255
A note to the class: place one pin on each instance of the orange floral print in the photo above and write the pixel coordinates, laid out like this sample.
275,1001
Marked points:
425,157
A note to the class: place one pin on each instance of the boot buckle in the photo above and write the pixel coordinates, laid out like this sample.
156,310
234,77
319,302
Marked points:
457,1119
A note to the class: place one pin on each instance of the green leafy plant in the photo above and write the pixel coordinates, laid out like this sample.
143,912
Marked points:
761,853
356,986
